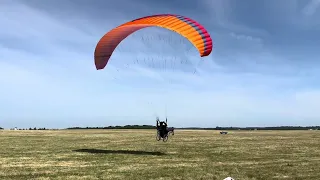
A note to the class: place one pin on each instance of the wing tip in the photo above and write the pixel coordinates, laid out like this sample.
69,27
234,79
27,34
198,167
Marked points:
99,68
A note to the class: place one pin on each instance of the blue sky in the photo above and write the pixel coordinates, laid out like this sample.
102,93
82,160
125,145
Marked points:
263,70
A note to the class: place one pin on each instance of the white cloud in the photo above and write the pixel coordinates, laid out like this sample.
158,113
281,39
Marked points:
245,37
221,13
311,7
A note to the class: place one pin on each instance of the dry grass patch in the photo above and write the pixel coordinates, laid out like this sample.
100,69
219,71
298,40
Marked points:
135,154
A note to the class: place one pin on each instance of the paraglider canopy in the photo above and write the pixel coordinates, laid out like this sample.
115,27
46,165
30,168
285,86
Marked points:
184,26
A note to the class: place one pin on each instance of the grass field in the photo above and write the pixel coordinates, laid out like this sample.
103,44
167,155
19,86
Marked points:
135,154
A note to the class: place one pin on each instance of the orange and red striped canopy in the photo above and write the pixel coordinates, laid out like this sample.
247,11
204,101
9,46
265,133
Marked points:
184,26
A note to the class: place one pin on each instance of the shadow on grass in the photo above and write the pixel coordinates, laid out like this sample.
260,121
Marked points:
103,151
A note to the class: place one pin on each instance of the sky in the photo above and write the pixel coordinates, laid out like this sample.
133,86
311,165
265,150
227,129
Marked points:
263,70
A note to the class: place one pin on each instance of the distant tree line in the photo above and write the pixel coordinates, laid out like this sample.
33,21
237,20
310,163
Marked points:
35,128
216,128
261,128
118,127
188,128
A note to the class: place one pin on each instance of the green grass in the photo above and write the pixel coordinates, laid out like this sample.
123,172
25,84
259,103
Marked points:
135,154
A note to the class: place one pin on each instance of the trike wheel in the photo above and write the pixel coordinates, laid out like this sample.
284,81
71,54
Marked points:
158,136
165,138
